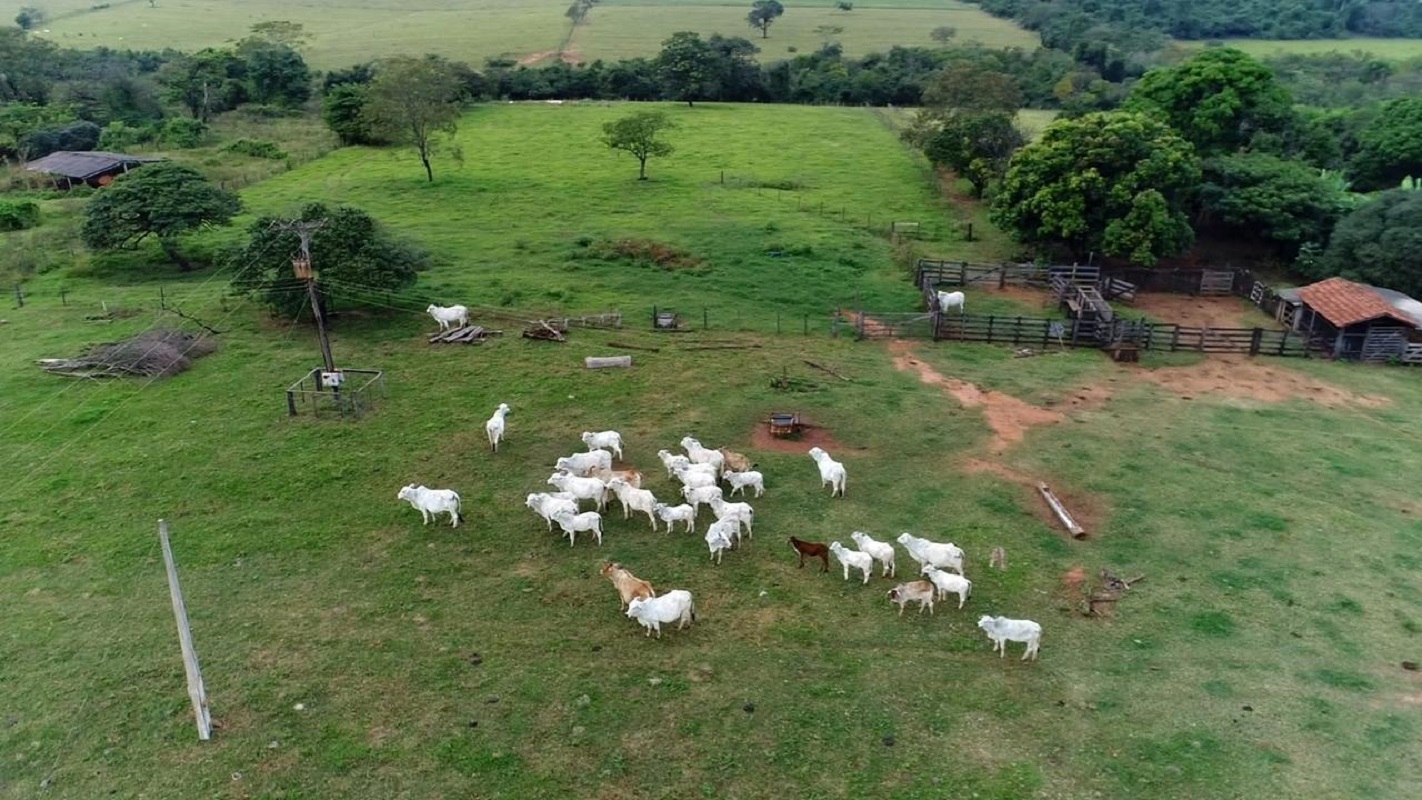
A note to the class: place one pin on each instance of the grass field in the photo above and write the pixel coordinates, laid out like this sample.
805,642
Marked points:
345,32
1390,49
1260,657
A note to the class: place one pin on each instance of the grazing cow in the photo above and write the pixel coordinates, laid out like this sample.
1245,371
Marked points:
813,550
586,521
853,558
883,552
948,583
432,502
549,505
673,514
674,606
1002,630
719,536
610,440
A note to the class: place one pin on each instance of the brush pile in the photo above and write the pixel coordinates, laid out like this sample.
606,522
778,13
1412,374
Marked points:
150,354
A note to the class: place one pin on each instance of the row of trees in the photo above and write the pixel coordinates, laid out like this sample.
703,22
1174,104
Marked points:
1221,19
1214,145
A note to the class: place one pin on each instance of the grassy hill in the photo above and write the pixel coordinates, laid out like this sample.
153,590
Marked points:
345,32
349,651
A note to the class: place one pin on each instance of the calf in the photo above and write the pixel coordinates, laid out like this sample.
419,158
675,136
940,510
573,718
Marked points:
947,582
634,499
432,502
735,462
673,514
882,552
740,480
549,505
1002,630
922,591
629,586
671,462
853,558
813,550
674,606
447,316
612,440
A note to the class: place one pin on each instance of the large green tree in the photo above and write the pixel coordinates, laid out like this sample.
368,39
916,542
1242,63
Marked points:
164,201
763,14
1218,100
275,73
688,67
1379,243
354,258
417,102
640,134
977,147
343,109
965,86
1390,145
207,82
1113,183
1262,196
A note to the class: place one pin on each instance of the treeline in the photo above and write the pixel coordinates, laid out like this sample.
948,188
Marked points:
1217,19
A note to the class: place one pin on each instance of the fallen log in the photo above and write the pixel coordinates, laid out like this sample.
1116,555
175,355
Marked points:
823,368
1062,514
634,347
723,347
602,362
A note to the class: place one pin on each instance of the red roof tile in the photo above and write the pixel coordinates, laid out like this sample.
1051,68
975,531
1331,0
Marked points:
1345,303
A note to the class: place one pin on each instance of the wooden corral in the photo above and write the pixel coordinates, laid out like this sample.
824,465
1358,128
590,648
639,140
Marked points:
1353,321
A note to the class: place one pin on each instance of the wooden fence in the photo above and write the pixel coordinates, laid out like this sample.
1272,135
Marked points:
1413,354
1041,332
1114,282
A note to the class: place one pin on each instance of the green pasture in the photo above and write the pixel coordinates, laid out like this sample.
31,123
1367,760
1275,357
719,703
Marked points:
1389,49
352,31
349,651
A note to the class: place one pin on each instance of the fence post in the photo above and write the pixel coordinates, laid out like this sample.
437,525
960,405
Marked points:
64,297
20,295
162,298
777,323
185,639
1255,340
705,319
991,319
807,324
1002,276
723,177
970,231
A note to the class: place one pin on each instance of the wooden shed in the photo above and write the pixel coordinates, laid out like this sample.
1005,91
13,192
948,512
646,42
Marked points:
70,168
1353,320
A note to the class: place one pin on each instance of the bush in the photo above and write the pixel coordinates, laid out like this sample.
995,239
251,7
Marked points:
256,148
183,133
17,215
118,137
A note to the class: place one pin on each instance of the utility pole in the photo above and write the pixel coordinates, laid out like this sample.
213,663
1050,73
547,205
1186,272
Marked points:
301,267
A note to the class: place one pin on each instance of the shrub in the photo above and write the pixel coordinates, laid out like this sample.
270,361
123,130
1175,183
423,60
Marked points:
256,148
118,136
183,133
17,215
648,252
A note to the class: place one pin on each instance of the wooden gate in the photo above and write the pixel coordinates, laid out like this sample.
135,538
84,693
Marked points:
1216,282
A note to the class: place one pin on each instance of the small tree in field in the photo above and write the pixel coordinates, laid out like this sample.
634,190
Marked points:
161,200
763,14
413,101
640,135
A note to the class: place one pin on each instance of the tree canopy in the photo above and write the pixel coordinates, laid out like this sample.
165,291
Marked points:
1218,100
763,14
977,146
1263,196
687,65
1379,243
163,200
1113,183
640,134
1390,145
414,101
353,256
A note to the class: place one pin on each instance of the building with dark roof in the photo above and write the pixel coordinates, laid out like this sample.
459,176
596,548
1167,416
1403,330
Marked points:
69,168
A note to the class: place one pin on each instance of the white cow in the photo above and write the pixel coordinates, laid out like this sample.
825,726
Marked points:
673,514
611,440
447,316
947,300
432,502
944,555
719,535
584,464
883,552
947,583
853,558
495,426
674,606
832,472
1002,630
586,521
550,504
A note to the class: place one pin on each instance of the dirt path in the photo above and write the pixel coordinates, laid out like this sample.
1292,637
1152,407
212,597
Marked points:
1009,417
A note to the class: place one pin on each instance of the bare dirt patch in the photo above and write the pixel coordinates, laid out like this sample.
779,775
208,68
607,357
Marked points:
1009,417
1200,312
1089,510
1027,296
814,436
1242,377
533,58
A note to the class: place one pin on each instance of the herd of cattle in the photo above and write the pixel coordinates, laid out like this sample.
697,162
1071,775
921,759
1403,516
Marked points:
590,477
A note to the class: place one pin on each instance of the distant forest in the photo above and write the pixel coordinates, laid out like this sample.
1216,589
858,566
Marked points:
1218,19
